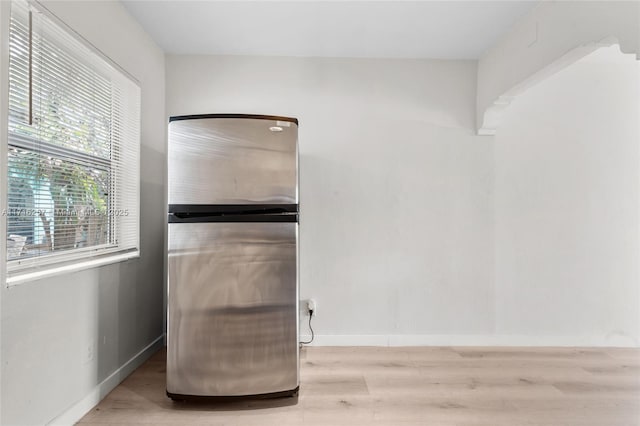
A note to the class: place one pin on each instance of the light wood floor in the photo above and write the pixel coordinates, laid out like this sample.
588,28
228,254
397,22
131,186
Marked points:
412,386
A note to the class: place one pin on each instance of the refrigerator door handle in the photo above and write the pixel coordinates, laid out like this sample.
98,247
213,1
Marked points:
228,209
226,217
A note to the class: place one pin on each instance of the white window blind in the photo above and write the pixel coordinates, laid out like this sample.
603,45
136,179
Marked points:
73,147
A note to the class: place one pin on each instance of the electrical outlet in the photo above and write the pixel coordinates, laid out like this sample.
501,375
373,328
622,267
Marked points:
312,306
89,352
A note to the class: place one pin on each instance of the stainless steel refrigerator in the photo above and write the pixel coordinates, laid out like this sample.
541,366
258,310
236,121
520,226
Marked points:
232,256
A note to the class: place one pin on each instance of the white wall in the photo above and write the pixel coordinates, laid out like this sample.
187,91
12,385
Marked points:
567,214
403,240
396,191
48,325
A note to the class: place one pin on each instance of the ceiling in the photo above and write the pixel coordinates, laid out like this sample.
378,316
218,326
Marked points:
372,29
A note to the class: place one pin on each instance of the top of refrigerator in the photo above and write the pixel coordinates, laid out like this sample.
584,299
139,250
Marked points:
235,159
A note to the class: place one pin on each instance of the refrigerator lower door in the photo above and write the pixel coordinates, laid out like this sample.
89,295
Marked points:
233,309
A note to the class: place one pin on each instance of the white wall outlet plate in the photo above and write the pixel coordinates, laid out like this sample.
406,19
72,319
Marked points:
312,306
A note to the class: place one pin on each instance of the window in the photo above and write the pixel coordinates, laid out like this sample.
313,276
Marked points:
73,148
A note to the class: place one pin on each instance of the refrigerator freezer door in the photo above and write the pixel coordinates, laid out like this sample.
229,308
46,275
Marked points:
233,310
232,161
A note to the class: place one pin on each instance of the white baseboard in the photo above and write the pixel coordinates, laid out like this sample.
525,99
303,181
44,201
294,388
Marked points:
82,407
470,340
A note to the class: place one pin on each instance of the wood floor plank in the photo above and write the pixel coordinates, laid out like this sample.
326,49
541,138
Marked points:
409,387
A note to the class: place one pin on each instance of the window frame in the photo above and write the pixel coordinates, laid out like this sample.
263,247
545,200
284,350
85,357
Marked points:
17,271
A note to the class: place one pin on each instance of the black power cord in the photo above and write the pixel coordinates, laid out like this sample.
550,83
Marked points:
310,328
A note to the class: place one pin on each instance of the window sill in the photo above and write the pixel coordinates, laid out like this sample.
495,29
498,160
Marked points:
27,276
